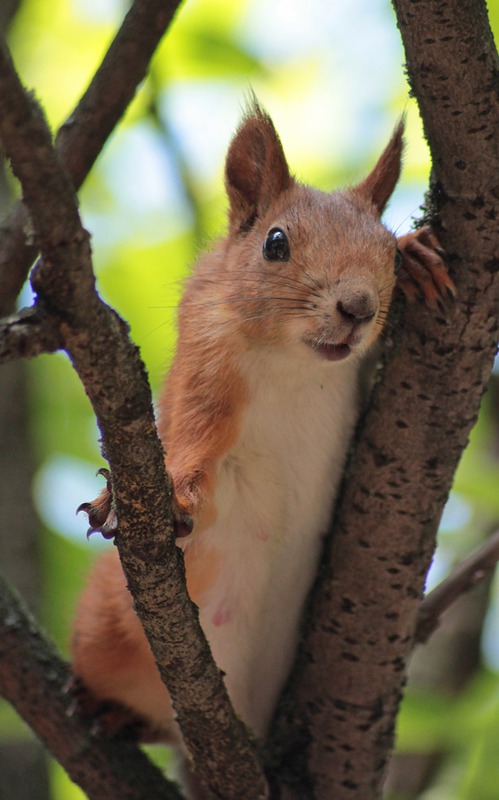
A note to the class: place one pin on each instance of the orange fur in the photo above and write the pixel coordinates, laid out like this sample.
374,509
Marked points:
109,648
380,183
256,422
202,566
198,425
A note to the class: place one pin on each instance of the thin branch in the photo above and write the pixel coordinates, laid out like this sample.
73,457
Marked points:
83,135
33,678
477,566
81,138
28,334
114,378
32,160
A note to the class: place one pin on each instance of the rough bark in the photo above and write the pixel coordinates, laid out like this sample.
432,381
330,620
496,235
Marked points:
351,672
34,679
443,667
114,378
365,608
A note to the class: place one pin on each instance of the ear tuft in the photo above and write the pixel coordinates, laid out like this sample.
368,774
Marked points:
256,171
380,183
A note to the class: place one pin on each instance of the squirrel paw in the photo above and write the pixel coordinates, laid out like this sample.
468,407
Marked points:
423,274
188,495
101,514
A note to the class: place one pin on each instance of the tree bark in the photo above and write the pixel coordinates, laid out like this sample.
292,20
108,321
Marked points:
83,135
339,732
113,375
35,680
444,667
339,718
19,554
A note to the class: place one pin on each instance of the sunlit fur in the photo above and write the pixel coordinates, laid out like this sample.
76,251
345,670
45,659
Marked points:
256,423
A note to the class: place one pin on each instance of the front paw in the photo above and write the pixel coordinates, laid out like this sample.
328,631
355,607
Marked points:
103,519
423,274
101,514
188,499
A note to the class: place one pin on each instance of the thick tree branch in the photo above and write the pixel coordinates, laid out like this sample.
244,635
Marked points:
114,377
352,668
33,678
85,132
466,575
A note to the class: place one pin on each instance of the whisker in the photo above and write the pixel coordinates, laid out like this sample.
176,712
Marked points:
290,311
409,216
241,299
284,282
311,278
280,285
293,308
385,285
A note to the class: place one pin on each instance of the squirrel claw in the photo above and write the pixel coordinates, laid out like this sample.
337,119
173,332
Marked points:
107,532
423,273
100,512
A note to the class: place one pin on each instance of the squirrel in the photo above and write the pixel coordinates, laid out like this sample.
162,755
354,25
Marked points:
256,416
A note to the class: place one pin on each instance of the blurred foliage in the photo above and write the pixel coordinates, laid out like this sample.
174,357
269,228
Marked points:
331,75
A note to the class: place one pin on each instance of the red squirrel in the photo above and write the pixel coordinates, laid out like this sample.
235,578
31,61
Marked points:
256,416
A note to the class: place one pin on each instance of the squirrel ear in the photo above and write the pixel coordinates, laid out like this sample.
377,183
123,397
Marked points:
380,183
256,171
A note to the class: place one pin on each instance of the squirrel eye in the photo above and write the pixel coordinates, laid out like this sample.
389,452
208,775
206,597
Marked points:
276,246
398,260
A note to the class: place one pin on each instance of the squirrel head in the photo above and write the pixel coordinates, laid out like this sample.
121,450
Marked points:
309,268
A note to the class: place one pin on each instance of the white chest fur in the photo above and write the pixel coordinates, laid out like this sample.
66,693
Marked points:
275,490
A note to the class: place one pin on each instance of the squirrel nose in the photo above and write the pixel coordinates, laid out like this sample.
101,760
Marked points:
357,307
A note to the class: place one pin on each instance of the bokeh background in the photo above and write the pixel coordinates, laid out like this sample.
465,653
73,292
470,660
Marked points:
331,75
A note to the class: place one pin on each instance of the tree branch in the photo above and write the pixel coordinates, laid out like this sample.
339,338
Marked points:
349,680
23,765
33,678
28,334
83,135
466,575
114,378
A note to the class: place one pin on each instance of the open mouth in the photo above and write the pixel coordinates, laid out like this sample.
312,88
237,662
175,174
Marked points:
331,352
